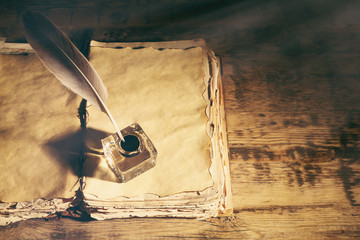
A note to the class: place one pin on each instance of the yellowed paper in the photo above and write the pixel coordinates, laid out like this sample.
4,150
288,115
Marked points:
40,133
162,91
39,138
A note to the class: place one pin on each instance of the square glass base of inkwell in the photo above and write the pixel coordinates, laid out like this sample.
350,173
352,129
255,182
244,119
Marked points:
130,158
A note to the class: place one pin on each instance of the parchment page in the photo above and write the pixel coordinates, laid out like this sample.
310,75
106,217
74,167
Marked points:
162,91
39,138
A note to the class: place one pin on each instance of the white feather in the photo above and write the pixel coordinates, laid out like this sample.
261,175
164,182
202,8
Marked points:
65,61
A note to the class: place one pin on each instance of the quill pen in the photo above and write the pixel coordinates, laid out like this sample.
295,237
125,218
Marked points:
66,62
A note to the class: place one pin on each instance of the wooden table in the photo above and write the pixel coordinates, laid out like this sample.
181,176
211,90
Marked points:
291,71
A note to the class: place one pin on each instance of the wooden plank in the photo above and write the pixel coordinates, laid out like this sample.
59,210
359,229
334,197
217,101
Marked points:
309,133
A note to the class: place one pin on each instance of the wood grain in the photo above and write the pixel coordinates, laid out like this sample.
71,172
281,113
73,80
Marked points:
291,75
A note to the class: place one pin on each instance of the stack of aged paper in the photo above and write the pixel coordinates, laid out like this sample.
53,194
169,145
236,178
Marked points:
172,89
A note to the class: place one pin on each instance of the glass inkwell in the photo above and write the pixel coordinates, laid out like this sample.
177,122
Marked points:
132,157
